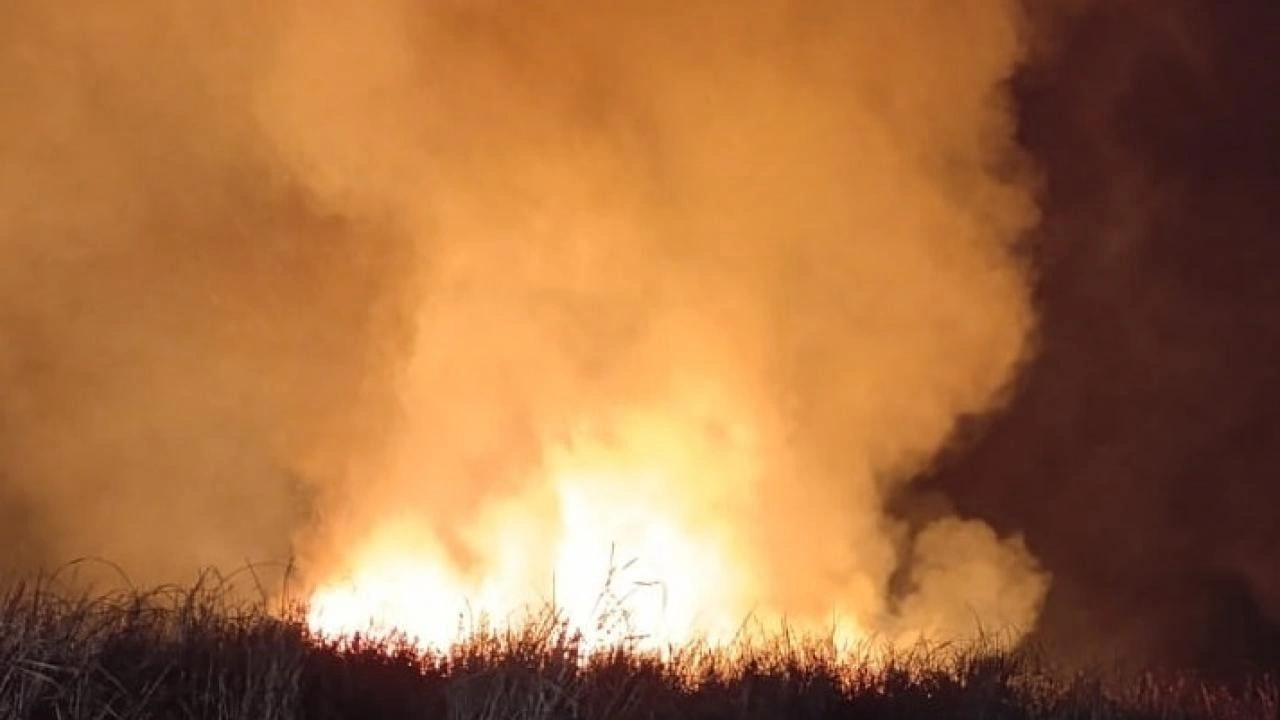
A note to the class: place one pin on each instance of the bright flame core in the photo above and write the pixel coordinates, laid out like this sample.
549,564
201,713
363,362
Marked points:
637,543
653,527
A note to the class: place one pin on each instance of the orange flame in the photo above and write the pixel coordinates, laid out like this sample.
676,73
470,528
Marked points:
626,539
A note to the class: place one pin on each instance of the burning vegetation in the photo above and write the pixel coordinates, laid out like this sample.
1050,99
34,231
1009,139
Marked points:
572,352
197,652
459,303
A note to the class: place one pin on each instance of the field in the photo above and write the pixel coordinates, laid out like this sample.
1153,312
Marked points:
196,653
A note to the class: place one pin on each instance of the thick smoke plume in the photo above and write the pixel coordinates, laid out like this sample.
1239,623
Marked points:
273,279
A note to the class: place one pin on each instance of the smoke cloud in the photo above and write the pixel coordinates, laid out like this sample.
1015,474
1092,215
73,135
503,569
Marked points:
1139,454
276,279
179,320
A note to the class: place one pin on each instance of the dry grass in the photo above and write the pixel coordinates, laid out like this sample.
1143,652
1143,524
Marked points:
196,653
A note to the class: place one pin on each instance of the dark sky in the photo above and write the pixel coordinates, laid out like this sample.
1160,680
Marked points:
1141,451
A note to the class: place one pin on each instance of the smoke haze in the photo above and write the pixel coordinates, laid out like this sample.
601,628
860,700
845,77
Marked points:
272,280
179,319
1140,452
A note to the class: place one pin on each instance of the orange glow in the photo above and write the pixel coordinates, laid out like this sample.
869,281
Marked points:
461,303
687,306
639,538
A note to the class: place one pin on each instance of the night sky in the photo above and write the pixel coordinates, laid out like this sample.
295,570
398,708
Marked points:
1141,449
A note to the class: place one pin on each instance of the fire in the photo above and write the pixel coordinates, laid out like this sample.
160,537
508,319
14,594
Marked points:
644,535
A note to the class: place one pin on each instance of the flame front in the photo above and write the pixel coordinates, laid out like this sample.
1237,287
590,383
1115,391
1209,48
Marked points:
660,525
634,526
627,550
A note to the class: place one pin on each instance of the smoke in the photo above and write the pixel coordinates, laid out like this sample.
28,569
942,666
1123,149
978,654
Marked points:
274,279
178,319
1140,452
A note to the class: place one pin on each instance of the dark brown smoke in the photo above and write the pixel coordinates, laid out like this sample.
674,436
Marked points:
1142,450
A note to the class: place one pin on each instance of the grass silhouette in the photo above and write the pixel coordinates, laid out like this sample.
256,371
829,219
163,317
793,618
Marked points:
204,651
